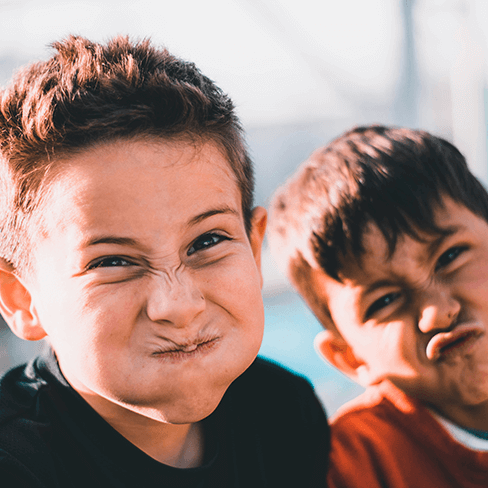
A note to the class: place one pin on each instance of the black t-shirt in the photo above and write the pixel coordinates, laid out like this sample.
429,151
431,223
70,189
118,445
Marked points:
268,431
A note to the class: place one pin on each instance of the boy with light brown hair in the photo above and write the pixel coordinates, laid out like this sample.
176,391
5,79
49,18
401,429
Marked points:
384,232
129,240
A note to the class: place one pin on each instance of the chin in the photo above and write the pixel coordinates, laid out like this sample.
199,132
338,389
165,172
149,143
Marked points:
188,414
194,407
473,394
473,384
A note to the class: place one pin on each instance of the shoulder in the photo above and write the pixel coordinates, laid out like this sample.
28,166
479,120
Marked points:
14,473
19,388
396,442
363,421
381,414
24,429
367,405
274,384
382,404
365,432
282,403
275,413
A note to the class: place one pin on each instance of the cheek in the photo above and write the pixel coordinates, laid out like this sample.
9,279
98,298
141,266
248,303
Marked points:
236,284
401,346
91,319
389,347
471,283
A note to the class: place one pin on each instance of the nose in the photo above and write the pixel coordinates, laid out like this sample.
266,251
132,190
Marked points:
175,298
439,310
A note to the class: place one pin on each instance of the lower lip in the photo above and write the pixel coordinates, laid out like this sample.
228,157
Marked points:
175,356
459,342
461,346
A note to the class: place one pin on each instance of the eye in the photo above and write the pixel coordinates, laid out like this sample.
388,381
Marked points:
449,256
381,303
206,241
110,262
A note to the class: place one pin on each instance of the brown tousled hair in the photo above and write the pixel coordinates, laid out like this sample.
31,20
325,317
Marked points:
89,93
391,177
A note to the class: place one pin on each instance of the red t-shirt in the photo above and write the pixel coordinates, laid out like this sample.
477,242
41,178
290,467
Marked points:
385,439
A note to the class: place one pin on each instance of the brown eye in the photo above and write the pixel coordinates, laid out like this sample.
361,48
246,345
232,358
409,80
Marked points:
381,303
449,256
206,241
110,262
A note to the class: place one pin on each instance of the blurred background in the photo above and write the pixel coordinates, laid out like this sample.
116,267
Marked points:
300,73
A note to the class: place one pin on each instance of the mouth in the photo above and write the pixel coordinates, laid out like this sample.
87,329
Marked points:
460,340
172,351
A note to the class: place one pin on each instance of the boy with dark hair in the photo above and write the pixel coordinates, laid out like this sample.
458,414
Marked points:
384,233
128,240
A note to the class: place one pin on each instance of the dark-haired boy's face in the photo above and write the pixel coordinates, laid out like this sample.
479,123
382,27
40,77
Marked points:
419,318
145,280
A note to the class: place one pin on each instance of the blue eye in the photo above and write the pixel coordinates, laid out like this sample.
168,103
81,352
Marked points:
449,256
206,241
110,262
381,303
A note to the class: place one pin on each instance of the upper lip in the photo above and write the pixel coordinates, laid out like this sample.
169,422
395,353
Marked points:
443,340
165,344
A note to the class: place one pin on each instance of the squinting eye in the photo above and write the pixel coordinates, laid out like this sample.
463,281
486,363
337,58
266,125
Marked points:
449,256
206,241
110,262
382,302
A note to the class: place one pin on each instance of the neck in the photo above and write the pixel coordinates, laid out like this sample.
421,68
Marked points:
177,445
180,446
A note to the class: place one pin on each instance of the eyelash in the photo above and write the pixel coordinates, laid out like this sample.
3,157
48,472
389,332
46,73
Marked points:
447,257
381,303
205,238
109,262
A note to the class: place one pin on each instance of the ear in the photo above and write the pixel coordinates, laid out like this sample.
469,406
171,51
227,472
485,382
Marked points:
334,349
16,306
259,220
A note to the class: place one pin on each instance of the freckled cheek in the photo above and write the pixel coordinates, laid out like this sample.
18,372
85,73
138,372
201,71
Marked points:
111,313
236,280
398,345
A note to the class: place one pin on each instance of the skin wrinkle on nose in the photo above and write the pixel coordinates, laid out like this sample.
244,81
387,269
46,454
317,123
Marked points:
179,290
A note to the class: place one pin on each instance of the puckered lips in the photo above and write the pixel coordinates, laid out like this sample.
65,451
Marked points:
460,340
171,350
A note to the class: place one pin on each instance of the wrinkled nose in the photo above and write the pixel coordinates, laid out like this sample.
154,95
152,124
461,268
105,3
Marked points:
175,298
439,310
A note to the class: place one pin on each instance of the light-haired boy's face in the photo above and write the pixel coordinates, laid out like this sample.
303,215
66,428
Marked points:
145,281
419,318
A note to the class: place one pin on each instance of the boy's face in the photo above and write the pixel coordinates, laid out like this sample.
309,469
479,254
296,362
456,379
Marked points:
144,278
419,318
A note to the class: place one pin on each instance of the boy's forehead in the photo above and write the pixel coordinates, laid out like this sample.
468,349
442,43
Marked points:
103,174
173,153
378,255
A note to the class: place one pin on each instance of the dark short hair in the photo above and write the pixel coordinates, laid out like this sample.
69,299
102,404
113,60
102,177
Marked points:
89,93
391,177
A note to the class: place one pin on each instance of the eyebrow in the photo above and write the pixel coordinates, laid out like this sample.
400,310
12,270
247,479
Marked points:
215,211
378,284
129,241
439,241
121,241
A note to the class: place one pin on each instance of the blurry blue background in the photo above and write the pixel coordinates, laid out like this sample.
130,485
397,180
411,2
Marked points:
300,73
